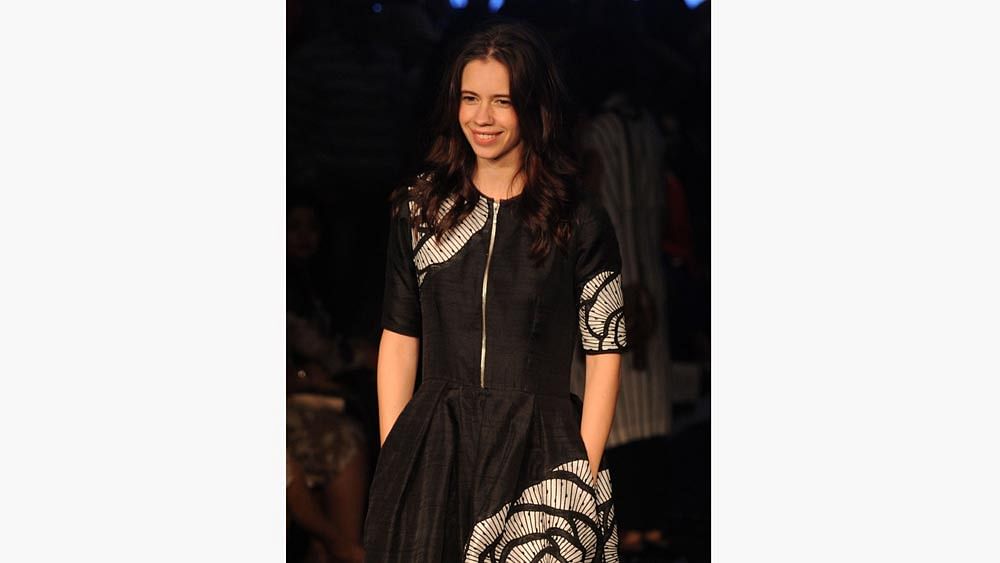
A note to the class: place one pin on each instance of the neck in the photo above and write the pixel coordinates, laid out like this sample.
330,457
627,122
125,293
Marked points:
498,179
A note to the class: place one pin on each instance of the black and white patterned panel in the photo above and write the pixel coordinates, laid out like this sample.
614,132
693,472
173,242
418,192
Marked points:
563,518
429,252
602,319
608,541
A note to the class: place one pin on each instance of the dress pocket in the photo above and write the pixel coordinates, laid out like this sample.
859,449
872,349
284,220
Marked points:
400,420
590,475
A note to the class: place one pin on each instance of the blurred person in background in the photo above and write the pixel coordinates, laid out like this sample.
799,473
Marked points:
327,446
308,513
623,150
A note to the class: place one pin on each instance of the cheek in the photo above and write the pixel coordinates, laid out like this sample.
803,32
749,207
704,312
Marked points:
515,131
464,115
512,124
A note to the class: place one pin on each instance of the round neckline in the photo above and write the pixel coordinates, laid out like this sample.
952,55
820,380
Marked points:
502,201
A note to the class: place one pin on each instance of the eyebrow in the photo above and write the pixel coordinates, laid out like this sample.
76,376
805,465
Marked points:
493,96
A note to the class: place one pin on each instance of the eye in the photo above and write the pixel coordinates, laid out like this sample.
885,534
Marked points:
503,102
468,98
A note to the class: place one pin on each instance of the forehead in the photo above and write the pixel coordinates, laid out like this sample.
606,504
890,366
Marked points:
486,77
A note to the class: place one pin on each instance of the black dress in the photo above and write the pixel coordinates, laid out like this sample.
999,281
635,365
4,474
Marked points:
486,461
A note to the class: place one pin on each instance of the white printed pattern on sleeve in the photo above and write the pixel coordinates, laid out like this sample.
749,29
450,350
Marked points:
602,318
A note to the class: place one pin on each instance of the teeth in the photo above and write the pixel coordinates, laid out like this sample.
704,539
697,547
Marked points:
487,136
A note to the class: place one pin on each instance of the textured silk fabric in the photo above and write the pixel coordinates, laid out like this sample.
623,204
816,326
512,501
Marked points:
496,471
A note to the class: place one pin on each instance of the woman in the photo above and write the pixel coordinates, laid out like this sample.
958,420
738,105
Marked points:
494,265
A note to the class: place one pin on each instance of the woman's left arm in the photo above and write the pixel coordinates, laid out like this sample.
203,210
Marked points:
599,399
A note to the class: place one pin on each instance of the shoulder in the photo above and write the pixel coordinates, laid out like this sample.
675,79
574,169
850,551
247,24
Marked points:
595,243
405,199
589,214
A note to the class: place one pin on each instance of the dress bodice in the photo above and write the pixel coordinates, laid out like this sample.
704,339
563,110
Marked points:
487,313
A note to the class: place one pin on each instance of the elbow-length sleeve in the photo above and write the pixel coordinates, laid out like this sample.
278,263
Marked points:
598,283
401,298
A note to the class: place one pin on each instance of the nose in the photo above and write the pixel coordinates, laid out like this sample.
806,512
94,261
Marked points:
484,114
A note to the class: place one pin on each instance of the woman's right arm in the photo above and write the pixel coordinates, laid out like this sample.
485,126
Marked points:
397,373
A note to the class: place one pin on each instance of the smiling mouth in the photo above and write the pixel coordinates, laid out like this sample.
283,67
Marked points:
487,136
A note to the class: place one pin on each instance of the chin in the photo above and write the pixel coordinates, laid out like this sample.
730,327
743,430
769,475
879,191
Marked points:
488,155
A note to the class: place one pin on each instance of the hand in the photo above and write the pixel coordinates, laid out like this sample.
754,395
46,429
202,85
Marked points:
595,468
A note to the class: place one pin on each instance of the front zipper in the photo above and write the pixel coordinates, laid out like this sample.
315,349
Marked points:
486,279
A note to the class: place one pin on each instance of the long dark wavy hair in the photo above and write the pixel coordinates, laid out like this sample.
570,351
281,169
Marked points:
538,96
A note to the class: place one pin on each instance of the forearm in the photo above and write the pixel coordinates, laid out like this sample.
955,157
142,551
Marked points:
599,400
396,375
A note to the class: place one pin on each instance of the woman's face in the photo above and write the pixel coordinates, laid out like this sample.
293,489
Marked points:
486,115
